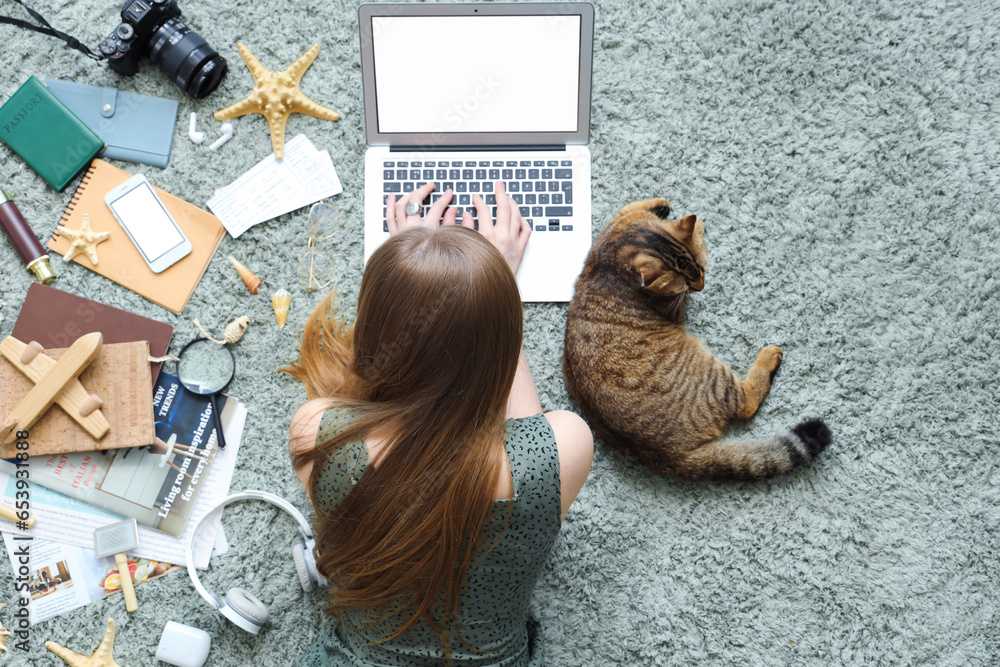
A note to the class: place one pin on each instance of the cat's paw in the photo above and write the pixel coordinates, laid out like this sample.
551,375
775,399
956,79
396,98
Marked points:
769,358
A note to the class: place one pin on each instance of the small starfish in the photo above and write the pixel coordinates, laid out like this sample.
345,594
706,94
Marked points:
83,240
277,96
100,658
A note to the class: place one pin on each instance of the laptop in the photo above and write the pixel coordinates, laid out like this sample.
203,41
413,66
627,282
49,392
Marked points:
463,95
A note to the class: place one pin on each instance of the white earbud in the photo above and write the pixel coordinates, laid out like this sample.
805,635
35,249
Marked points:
194,135
227,134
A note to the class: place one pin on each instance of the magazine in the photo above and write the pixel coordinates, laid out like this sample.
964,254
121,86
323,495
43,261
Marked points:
157,484
65,577
70,521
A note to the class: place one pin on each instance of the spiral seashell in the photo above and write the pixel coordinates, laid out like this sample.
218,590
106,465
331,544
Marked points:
249,279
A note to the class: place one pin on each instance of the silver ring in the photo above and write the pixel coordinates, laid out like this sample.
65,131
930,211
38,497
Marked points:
413,208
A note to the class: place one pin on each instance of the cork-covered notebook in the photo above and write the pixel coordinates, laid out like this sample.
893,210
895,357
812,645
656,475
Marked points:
119,375
119,260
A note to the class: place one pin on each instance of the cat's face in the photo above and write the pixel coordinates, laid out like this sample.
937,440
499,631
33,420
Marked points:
666,257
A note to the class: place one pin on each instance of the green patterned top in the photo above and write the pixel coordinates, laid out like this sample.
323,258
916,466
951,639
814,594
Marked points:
495,623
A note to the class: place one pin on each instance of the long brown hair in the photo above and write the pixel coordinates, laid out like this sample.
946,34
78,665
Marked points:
430,360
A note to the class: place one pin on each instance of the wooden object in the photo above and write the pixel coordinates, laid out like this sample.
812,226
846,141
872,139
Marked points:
55,382
116,539
128,589
4,633
100,658
56,318
120,375
10,513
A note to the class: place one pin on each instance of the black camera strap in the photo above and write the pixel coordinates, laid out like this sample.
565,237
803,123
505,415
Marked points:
46,29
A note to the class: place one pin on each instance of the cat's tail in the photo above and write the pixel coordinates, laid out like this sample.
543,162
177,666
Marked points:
756,459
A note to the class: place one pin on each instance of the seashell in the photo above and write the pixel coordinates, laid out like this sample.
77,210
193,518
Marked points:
281,300
249,279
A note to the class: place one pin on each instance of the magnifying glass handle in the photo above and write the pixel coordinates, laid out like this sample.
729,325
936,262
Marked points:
218,422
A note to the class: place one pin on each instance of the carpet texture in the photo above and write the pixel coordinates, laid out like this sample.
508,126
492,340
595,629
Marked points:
844,159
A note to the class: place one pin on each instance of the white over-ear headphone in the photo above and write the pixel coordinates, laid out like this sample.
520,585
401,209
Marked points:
241,606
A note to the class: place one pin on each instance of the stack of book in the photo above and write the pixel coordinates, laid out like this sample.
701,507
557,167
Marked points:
166,488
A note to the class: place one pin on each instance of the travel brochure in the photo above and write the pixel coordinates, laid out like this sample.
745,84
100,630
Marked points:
64,577
66,574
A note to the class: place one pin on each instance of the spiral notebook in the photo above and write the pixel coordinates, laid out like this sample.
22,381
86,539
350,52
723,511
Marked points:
119,260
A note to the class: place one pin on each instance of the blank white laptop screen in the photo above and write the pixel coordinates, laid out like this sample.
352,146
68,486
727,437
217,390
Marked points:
458,74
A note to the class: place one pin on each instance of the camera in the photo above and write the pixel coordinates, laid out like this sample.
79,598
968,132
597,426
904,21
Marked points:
154,28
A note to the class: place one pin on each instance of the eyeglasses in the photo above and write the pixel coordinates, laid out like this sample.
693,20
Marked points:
316,269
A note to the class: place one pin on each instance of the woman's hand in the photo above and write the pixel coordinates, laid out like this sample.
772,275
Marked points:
510,231
439,214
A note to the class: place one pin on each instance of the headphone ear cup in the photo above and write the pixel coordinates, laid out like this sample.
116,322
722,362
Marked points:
247,605
301,568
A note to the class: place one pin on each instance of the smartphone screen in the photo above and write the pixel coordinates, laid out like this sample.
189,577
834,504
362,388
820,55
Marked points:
141,213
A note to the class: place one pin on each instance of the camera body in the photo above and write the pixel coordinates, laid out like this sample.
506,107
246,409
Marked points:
154,28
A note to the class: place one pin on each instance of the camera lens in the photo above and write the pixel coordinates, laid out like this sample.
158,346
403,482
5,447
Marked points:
186,58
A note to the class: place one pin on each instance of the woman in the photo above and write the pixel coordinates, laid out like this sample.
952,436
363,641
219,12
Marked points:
438,485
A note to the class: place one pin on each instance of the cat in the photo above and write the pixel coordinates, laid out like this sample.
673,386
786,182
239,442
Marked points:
648,387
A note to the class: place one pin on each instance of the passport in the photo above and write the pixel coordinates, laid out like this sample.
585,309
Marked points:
46,134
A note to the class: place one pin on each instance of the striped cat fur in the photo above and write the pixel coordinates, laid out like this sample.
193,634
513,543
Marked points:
648,387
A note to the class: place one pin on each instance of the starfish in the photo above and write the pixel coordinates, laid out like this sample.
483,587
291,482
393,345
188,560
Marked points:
83,240
100,658
277,96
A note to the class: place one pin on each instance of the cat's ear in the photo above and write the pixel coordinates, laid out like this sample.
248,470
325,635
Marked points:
685,226
656,277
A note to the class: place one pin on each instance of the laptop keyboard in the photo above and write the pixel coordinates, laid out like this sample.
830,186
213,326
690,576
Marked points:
542,189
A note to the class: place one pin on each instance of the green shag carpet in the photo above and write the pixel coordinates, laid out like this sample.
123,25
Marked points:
844,157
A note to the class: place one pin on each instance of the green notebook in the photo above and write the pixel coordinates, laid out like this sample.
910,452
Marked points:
39,128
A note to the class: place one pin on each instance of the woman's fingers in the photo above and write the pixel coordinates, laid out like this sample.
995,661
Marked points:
482,210
437,209
522,235
402,219
503,204
390,215
509,232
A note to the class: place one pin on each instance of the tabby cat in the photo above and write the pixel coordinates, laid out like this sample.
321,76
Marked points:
647,386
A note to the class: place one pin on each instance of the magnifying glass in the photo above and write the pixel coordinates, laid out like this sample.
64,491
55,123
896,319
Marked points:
207,368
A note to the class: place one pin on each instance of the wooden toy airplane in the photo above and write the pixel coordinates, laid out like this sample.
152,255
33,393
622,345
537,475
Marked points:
55,382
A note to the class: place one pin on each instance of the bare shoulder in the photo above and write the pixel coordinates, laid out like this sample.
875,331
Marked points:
305,424
575,443
303,430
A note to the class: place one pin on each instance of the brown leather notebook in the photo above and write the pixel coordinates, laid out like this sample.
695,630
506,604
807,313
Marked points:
55,319
119,260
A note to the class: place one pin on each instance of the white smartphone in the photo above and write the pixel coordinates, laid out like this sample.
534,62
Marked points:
145,219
